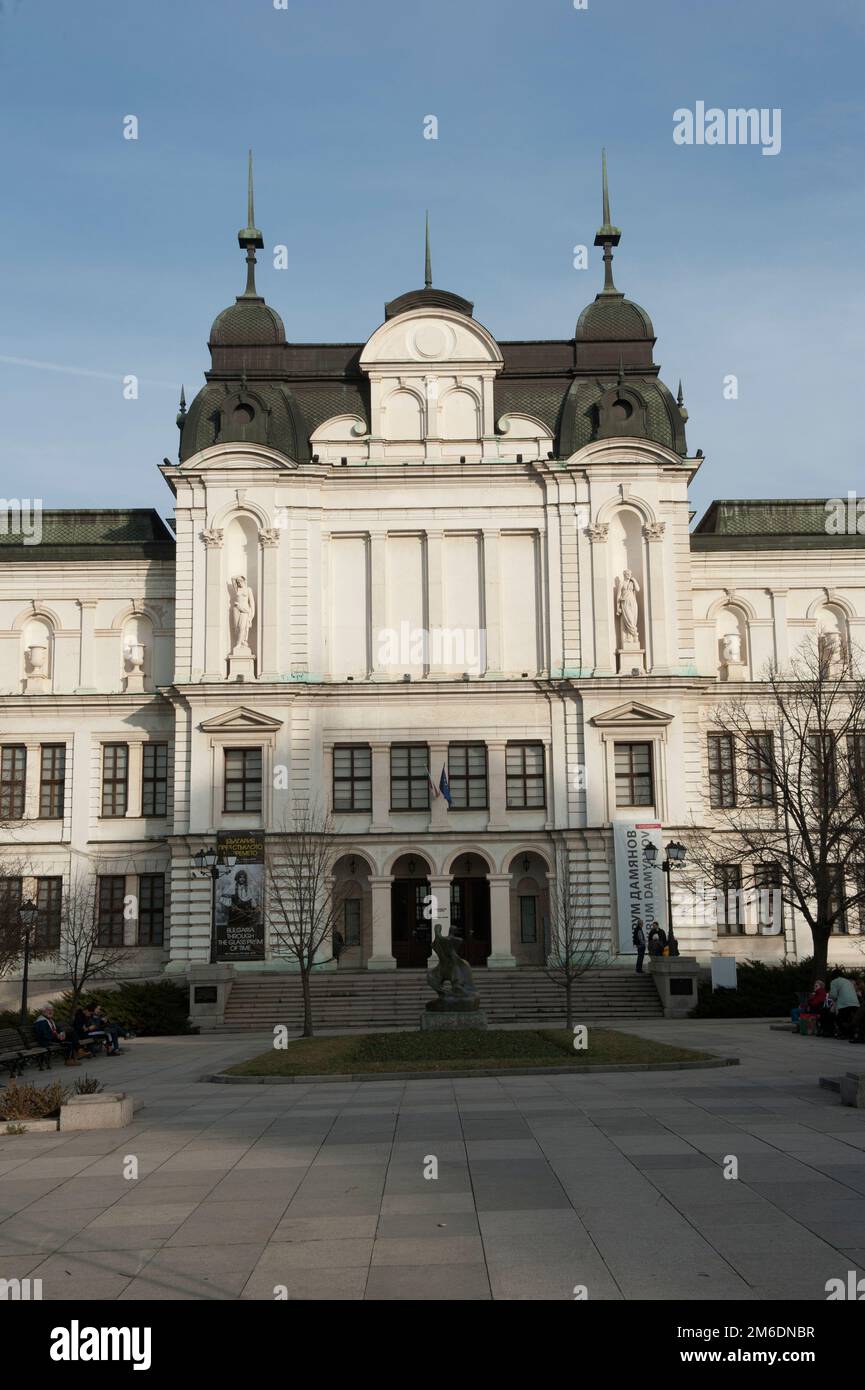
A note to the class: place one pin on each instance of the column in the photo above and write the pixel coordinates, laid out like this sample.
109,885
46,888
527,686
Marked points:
438,756
380,786
497,785
601,598
130,918
382,956
268,598
659,610
214,663
134,774
501,955
377,599
492,602
435,595
33,779
782,636
86,639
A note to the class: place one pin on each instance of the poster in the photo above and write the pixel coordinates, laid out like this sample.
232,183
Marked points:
239,905
641,889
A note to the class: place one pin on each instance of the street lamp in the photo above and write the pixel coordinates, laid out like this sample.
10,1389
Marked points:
675,854
208,864
27,915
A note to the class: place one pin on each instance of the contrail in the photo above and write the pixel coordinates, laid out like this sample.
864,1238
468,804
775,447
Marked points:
83,371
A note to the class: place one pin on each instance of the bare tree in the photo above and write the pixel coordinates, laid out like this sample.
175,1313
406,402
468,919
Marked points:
303,904
86,951
793,795
576,941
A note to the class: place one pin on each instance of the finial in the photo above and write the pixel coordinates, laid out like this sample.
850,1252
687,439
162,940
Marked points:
680,398
249,237
181,414
427,258
607,235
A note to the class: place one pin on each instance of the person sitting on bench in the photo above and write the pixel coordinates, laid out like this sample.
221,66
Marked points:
47,1032
113,1031
89,1029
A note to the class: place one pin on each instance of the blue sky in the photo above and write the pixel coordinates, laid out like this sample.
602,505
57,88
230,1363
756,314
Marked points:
116,255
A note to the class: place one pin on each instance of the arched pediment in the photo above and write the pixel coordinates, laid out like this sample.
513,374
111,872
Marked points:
420,339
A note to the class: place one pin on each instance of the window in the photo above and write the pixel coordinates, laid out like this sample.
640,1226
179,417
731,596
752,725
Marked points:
115,779
49,900
352,777
728,903
154,780
837,899
242,779
821,748
856,756
767,882
52,781
761,763
10,901
467,775
524,764
351,921
151,909
528,920
13,777
634,781
112,891
409,781
722,771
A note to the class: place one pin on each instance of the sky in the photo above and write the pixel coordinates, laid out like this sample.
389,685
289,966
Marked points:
117,254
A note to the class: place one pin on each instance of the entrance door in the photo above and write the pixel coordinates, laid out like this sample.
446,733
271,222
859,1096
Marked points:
470,917
411,932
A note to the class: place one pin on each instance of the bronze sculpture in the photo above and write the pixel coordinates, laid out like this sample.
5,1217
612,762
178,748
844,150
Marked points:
462,997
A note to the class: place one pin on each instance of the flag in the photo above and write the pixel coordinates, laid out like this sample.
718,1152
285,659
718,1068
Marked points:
444,788
433,787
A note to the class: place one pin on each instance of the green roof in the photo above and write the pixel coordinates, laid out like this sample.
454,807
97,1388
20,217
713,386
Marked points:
89,534
803,523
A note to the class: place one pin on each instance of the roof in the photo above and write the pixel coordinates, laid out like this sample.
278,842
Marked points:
93,534
780,523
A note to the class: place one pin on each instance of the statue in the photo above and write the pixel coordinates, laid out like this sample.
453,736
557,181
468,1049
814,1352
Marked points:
831,651
627,611
731,649
242,613
462,997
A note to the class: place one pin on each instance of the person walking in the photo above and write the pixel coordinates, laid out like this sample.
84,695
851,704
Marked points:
638,936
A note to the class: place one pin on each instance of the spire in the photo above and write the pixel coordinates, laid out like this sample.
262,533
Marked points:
181,414
607,235
249,237
680,402
427,280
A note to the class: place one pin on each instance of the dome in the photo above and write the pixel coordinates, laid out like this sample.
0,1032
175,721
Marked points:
249,322
611,318
263,412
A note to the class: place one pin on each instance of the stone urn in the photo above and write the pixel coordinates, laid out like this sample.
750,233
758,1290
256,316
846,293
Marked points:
37,667
135,666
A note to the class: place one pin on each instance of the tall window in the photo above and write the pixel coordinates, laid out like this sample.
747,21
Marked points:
151,909
837,898
856,756
467,775
728,909
112,891
528,919
115,779
49,901
13,779
767,881
352,777
821,749
524,763
351,921
10,901
722,771
761,761
242,779
154,780
634,781
409,783
52,781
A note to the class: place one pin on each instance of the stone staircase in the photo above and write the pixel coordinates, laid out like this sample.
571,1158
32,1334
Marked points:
361,999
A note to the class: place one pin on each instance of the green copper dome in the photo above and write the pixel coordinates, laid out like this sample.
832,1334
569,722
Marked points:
612,318
248,322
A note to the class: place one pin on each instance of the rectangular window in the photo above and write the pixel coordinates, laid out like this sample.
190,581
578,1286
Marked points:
761,763
13,779
837,899
634,780
49,901
242,779
467,775
112,891
722,771
856,756
821,748
151,909
52,781
352,777
409,783
115,779
728,903
524,764
154,780
767,882
528,920
351,921
10,901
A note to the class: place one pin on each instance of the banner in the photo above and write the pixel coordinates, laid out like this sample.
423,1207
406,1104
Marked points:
641,890
239,906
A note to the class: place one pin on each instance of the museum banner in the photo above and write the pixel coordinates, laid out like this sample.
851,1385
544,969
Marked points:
239,898
641,890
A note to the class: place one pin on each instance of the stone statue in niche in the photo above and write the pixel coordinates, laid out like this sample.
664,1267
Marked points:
831,652
731,649
627,610
242,615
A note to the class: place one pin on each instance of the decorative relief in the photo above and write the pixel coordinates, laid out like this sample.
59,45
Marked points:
270,535
212,538
598,531
654,530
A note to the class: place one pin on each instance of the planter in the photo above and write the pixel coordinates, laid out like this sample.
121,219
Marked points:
29,1125
104,1110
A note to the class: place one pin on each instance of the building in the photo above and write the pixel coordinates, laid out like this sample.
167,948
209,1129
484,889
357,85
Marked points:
430,550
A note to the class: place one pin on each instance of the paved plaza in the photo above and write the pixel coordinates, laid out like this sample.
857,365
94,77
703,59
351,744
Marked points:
614,1182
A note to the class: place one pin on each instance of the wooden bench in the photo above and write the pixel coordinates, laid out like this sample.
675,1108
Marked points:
15,1053
28,1037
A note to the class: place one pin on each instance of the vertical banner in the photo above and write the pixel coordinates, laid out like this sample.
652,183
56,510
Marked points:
240,897
641,890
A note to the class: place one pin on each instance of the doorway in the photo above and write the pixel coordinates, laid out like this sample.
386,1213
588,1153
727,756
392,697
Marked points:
470,917
411,931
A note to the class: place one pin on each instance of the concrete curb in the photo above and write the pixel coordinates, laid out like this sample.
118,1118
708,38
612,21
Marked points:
219,1078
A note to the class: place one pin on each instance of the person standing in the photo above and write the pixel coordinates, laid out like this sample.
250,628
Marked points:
846,1001
638,936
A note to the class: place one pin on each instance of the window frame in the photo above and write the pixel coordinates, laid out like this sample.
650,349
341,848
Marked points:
523,777
353,780
410,778
154,783
154,912
758,777
464,780
631,775
52,783
13,788
107,930
352,902
727,871
111,783
533,899
50,919
244,781
722,778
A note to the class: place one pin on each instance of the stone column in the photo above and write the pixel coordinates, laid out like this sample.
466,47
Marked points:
501,954
86,651
134,773
33,775
435,595
380,819
214,662
660,616
268,597
497,791
492,602
782,636
601,598
382,955
377,599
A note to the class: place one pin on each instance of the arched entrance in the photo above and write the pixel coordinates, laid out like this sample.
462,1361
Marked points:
530,908
352,925
470,906
411,931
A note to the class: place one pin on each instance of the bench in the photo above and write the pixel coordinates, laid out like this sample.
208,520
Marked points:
14,1052
28,1037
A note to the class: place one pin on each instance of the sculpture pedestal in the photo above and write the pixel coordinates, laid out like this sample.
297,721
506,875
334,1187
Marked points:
441,1021
631,659
241,664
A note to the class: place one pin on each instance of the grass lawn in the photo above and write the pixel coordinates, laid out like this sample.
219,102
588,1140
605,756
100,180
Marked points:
374,1052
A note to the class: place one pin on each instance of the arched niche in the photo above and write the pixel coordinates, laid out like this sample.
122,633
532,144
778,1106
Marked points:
241,561
833,637
353,916
460,415
731,642
37,655
403,416
529,907
627,561
137,652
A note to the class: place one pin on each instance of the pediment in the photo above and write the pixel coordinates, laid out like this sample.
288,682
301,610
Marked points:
631,715
254,458
417,340
241,720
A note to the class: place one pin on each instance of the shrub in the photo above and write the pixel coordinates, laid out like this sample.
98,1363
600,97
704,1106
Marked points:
28,1102
763,991
88,1086
152,1008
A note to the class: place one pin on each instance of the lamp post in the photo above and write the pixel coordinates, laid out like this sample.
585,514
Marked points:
675,854
208,864
27,915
